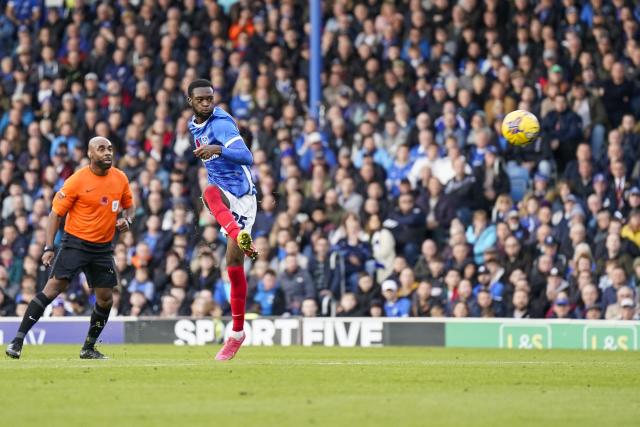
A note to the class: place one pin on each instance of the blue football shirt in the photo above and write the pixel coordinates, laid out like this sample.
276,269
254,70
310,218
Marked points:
229,170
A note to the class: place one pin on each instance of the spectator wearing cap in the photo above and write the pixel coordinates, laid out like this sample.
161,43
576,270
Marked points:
550,248
314,148
602,191
59,308
483,279
561,308
515,227
394,306
628,310
633,201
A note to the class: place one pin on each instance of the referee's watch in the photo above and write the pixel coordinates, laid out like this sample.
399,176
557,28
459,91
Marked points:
48,249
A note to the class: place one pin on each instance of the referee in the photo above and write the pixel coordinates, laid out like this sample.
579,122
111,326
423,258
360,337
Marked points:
91,198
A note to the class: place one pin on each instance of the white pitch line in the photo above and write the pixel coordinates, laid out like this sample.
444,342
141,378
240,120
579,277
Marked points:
141,363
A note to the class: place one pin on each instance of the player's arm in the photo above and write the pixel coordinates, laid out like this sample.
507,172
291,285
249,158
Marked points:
233,149
237,152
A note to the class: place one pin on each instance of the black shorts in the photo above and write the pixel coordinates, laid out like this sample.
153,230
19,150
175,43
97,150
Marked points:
97,266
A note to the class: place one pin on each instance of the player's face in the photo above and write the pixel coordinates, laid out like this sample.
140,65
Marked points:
202,101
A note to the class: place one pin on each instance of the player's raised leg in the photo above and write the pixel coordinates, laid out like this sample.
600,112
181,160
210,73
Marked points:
235,261
36,307
99,318
219,208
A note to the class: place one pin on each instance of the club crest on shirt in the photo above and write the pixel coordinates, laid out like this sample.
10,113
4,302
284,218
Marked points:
104,200
202,140
114,205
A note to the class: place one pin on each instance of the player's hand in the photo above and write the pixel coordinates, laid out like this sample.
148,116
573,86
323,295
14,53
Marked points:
122,225
47,257
206,151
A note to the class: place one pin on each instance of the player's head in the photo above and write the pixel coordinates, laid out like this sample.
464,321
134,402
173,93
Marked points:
200,97
100,152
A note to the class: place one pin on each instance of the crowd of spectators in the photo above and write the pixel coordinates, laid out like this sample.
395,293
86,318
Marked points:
403,199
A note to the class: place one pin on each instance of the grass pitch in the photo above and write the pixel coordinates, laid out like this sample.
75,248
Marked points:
157,385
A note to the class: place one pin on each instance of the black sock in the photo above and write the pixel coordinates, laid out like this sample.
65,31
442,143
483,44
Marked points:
34,312
99,319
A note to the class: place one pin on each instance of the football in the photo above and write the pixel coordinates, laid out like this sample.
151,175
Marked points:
520,127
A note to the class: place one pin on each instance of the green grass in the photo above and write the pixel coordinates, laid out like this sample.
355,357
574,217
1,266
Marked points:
156,385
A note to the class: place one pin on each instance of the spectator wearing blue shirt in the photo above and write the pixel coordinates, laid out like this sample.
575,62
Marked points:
266,217
399,170
142,283
242,100
315,148
268,299
416,39
154,237
23,11
369,148
619,285
481,235
394,306
354,251
6,35
65,137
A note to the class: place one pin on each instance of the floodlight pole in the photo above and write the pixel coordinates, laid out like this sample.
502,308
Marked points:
315,63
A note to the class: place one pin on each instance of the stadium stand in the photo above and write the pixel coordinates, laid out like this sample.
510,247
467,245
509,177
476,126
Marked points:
402,200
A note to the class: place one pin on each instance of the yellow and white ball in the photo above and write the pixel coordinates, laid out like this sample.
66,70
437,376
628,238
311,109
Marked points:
520,128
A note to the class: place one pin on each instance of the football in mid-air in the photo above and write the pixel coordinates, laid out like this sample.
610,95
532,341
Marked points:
520,127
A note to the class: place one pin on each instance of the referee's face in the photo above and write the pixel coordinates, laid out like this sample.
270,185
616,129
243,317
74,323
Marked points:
202,101
101,153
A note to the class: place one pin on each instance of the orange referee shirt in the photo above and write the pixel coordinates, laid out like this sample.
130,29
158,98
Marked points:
92,203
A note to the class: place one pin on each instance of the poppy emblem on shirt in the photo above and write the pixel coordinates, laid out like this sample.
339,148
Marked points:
104,200
204,140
